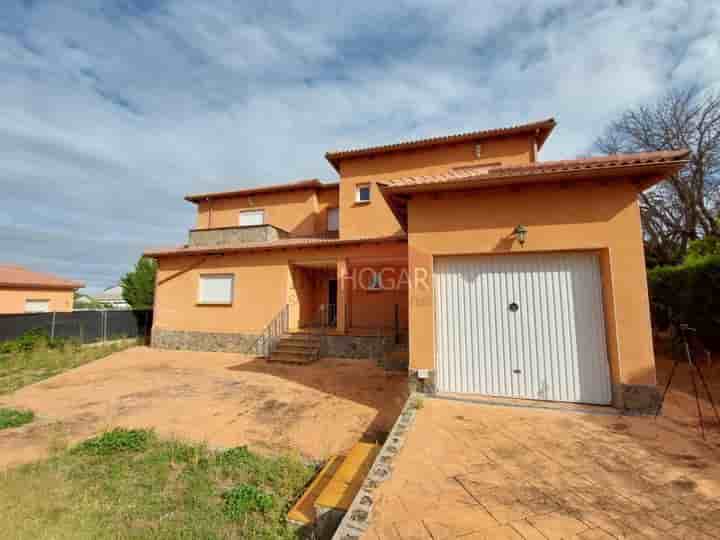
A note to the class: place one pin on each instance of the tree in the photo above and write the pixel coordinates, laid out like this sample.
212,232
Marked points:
138,286
684,207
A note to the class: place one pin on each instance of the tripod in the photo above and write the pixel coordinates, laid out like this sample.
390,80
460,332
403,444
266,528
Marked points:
685,334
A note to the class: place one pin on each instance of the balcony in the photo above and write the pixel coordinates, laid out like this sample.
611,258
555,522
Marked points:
235,235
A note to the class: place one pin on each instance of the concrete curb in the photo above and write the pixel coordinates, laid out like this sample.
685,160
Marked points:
359,515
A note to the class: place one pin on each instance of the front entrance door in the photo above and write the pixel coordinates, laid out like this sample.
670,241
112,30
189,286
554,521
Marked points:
332,302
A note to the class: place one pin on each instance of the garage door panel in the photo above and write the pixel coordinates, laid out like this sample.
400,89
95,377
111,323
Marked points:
552,347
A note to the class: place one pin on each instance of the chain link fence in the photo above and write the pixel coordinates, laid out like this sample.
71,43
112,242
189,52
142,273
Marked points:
85,326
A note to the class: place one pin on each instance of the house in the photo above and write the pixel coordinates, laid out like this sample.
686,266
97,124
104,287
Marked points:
507,276
112,298
26,291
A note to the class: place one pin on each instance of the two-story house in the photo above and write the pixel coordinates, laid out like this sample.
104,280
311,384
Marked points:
506,275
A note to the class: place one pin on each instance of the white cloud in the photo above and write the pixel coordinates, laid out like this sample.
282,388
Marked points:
109,117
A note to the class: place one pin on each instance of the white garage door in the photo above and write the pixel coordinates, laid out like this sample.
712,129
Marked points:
526,326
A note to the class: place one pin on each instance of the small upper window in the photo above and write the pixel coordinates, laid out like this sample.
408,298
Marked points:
333,219
216,289
252,217
362,193
37,306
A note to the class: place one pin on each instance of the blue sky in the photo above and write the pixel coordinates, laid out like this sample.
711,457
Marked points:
112,111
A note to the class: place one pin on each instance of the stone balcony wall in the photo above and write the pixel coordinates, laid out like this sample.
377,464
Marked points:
235,235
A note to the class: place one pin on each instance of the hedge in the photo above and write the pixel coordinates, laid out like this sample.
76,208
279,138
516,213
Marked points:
688,293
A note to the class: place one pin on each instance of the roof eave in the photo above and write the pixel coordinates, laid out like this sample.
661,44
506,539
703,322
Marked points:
648,171
308,184
248,248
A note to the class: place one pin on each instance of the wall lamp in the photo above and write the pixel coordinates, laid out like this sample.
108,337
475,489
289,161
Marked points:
521,233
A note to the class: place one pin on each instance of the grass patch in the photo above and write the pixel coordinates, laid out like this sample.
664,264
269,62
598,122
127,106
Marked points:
10,418
129,484
117,440
33,358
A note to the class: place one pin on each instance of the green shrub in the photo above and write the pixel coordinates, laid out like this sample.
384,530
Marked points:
246,498
117,440
35,339
10,418
688,293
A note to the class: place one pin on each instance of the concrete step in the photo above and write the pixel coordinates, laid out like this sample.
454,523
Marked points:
298,345
299,351
340,491
301,338
288,358
303,512
331,493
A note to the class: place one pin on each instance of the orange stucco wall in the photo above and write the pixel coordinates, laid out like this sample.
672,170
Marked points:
375,218
299,212
264,283
603,217
13,300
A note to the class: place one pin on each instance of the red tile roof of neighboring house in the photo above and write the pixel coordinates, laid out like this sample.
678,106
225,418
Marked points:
300,184
665,161
285,243
542,128
12,275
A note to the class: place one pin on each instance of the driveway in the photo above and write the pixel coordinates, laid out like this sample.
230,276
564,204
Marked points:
220,398
489,471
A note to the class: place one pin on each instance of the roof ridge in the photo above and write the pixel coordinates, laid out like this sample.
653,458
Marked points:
548,124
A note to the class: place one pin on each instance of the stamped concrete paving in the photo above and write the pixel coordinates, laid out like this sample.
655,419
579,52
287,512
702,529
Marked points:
221,398
475,471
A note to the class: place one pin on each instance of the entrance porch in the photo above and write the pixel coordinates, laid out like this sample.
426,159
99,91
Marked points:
363,297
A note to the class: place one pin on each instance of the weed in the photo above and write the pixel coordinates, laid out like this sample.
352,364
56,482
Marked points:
10,418
418,403
117,440
245,498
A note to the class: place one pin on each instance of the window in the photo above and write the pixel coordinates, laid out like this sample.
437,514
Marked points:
362,193
37,306
249,218
216,289
333,219
375,281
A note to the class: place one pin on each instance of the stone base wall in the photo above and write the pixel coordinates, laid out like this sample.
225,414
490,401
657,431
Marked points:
355,346
636,398
203,341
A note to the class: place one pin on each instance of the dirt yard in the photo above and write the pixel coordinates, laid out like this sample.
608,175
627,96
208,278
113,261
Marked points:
223,399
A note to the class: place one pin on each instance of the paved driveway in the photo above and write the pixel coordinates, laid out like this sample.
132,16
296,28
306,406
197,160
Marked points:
221,398
477,471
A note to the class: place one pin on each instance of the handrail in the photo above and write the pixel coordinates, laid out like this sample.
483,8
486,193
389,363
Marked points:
325,316
276,327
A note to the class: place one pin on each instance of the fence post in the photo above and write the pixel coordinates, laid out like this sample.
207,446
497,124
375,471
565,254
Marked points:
52,328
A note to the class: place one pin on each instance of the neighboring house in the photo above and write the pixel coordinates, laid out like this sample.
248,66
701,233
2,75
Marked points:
112,298
511,277
27,291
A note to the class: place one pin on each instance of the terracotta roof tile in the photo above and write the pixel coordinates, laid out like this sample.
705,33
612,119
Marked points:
313,183
538,169
299,242
545,127
12,275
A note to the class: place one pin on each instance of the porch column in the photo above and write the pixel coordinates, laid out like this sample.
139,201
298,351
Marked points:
343,295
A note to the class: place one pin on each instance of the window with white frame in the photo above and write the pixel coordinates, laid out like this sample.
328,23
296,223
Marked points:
37,306
252,217
333,219
216,289
362,193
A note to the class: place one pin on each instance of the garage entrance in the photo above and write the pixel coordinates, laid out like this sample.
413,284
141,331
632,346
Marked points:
523,326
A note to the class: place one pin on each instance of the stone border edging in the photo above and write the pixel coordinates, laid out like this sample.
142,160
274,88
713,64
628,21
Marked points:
358,517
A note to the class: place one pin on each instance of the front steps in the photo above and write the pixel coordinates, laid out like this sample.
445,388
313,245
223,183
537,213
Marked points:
296,349
321,508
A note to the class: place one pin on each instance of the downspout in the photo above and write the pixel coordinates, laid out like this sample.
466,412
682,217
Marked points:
210,209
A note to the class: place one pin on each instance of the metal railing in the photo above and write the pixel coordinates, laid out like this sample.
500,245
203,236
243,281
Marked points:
325,316
268,339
